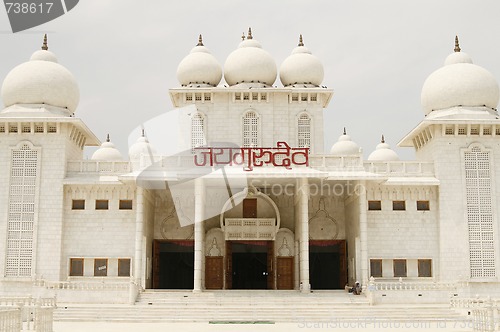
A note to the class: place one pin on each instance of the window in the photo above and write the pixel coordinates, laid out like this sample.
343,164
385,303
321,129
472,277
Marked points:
425,268
398,205
462,130
13,128
450,130
374,205
487,131
197,96
314,97
101,204
263,96
246,96
38,128
197,131
399,267
2,128
207,97
423,206
78,204
26,128
303,98
52,128
124,267
76,267
237,96
295,97
189,97
474,130
376,268
304,131
125,204
250,130
100,267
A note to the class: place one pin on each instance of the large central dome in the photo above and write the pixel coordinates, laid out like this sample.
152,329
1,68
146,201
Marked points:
249,63
41,81
459,83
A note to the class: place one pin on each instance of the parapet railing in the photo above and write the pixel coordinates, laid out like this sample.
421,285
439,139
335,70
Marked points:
402,168
103,167
26,314
83,285
485,312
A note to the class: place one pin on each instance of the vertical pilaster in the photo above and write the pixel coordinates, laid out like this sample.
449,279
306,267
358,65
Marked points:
363,232
199,233
303,191
139,234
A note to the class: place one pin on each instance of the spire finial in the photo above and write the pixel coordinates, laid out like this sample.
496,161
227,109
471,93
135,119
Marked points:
107,139
345,133
44,46
249,36
457,45
301,42
200,41
243,36
143,133
383,139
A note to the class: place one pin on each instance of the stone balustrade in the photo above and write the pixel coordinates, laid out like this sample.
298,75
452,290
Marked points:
10,320
100,167
85,286
485,312
26,314
400,168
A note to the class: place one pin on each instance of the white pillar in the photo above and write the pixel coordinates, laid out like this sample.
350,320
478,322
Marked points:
363,232
199,233
303,192
139,234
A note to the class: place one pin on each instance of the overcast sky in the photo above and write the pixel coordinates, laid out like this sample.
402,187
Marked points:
377,54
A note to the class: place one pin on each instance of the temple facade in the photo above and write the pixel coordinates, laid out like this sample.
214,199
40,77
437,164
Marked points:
250,198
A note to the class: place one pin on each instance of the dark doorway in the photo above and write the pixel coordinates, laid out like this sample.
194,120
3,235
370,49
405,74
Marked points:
173,266
327,268
250,265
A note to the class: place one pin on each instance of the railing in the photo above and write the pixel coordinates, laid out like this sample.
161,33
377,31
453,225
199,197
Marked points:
10,320
485,312
84,285
102,167
26,314
413,286
402,168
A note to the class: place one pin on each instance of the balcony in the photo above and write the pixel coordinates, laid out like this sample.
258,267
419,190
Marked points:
263,229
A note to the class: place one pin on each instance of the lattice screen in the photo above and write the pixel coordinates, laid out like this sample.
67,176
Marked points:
304,131
479,213
250,130
20,225
197,131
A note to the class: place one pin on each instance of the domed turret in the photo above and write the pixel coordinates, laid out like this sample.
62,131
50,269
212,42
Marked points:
383,152
345,146
199,67
459,83
249,63
301,67
107,152
141,147
41,81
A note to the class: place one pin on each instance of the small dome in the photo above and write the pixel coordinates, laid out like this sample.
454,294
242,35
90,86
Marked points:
107,152
41,81
459,83
249,63
141,147
383,152
345,146
199,67
301,67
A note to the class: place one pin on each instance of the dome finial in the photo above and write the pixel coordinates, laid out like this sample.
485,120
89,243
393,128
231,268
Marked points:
143,134
44,46
107,139
457,45
200,41
243,36
249,36
383,139
345,133
301,42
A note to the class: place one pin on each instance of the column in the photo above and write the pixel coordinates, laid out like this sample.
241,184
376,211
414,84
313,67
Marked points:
199,233
303,192
139,233
363,232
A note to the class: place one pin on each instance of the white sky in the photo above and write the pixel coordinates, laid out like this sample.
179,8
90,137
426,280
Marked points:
377,54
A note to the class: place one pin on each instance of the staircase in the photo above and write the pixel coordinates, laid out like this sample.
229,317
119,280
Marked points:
254,306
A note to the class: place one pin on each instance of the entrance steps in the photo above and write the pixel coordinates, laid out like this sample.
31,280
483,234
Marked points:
273,306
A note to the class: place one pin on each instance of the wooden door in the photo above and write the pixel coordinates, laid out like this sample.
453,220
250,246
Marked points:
285,272
213,272
229,265
156,264
250,208
270,265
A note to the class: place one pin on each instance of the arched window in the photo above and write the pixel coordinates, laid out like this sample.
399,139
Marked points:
304,131
197,130
250,129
